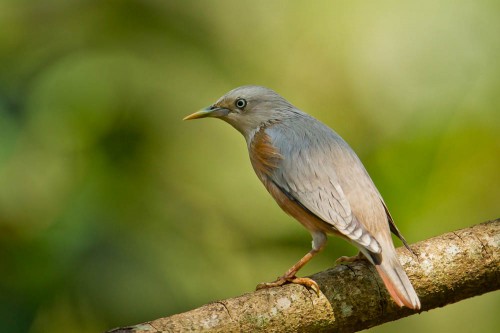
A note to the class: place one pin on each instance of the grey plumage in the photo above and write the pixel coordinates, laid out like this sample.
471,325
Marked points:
313,156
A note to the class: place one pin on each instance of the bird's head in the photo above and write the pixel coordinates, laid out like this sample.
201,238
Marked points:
248,108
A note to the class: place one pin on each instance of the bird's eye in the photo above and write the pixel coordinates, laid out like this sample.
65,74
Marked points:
240,103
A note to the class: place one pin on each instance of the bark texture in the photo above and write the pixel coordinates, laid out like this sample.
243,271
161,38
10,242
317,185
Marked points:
447,269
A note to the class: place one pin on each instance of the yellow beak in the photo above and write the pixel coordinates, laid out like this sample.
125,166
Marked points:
211,111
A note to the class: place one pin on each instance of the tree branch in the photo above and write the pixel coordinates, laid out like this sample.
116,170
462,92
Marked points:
447,269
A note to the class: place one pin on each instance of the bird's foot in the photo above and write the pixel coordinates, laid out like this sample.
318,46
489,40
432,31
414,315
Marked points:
345,259
306,282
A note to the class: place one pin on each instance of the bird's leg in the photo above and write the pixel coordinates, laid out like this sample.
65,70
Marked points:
319,241
346,259
289,276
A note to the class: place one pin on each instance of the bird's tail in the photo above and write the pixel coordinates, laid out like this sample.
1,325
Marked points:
395,279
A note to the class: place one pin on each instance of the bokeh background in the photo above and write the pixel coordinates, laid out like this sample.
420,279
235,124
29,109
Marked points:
113,211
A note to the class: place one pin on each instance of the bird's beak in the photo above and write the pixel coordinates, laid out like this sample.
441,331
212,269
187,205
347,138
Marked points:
211,111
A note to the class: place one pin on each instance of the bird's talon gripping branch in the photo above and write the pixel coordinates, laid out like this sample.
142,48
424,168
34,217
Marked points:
306,282
346,259
279,282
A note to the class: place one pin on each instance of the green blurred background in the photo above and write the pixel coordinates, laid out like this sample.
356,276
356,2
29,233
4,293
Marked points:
113,211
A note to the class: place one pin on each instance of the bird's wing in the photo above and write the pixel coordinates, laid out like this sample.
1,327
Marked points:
307,174
394,228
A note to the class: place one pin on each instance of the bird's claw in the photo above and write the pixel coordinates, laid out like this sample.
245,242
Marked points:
306,282
346,259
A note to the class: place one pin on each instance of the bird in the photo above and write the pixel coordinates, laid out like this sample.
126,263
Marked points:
318,179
